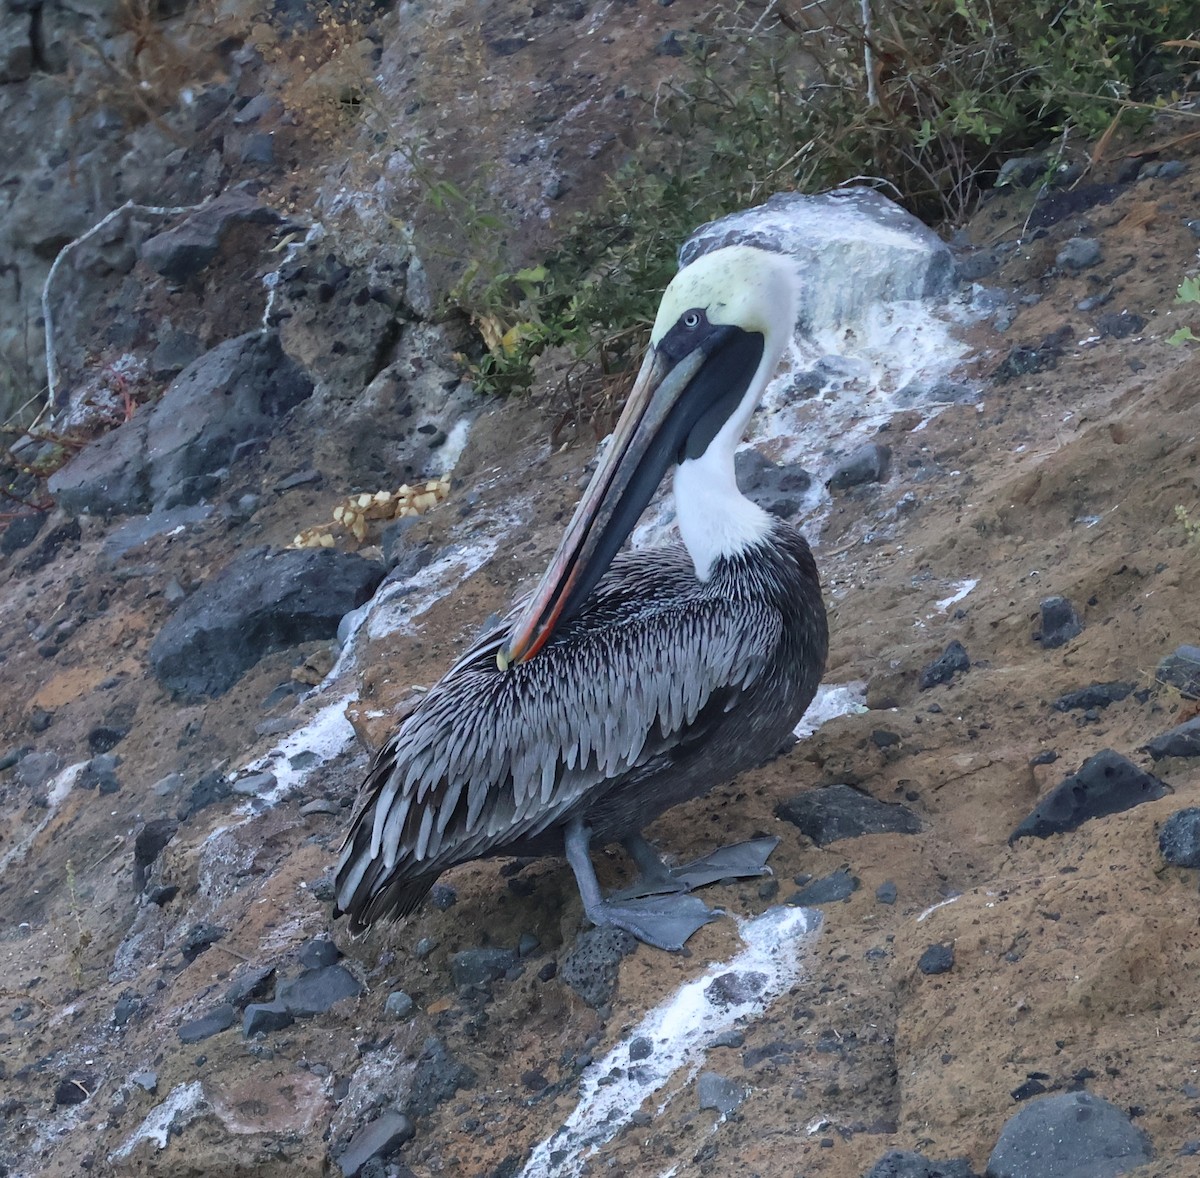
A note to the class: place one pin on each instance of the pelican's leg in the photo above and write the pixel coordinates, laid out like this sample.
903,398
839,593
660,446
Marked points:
664,921
741,861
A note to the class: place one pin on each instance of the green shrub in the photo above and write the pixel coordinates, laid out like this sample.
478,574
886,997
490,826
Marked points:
955,87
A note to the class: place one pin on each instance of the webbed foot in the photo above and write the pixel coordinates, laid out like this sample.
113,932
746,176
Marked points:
664,921
740,861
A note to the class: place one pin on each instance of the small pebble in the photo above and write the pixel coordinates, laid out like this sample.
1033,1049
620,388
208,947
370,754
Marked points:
1079,253
377,1140
442,897
264,1017
640,1048
937,959
147,1081
1060,623
870,463
943,669
399,1004
319,806
1179,838
219,1019
718,1092
733,1039
318,952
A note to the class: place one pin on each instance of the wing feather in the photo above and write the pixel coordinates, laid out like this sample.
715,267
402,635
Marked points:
489,757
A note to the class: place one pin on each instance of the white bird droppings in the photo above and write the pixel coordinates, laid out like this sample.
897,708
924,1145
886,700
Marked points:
680,1029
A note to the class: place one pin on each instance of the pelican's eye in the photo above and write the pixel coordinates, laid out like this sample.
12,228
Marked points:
691,320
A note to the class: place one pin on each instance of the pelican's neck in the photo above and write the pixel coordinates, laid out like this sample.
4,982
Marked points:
715,519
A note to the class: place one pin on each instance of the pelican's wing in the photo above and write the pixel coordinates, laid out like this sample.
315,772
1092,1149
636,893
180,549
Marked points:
490,757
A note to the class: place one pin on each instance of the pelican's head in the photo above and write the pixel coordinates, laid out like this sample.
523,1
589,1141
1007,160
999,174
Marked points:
721,327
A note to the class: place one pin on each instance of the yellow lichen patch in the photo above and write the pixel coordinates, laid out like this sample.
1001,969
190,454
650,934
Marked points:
355,513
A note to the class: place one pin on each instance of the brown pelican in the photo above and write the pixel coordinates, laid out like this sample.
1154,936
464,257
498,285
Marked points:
628,682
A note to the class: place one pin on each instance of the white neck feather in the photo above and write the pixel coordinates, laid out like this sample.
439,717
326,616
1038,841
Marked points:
715,519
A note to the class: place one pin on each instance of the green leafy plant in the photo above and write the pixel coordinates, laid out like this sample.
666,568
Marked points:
1188,293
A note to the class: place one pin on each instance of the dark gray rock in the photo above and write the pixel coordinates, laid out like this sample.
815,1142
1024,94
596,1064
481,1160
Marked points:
1060,623
186,249
777,489
841,812
437,1077
1179,838
478,967
105,737
718,1092
254,784
1119,324
162,894
136,531
1098,695
870,463
1078,254
35,769
39,719
21,531
198,938
146,1081
250,985
904,1163
319,805
952,660
936,959
342,321
1106,783
262,602
640,1048
16,46
174,352
48,548
318,952
265,1017
380,1139
1023,171
1181,741
829,889
217,1020
734,989
887,892
74,1088
125,1008
1181,669
669,45
175,452
316,990
399,1004
258,148
591,967
1071,1135
100,774
212,788
1025,359
940,392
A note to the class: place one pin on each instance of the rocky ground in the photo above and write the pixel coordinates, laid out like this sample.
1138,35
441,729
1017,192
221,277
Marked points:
164,879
